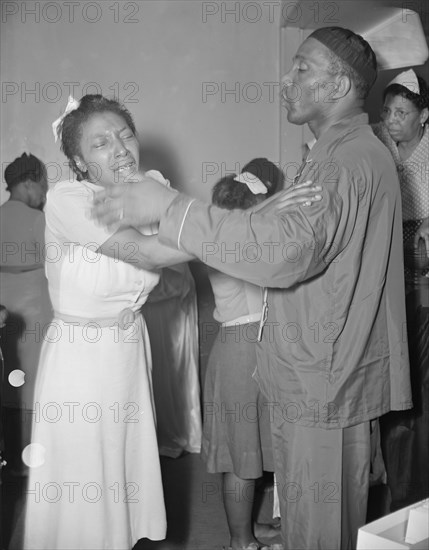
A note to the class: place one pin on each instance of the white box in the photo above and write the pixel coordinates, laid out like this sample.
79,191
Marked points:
418,524
390,532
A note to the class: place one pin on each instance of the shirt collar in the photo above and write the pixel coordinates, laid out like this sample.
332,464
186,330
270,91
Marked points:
339,129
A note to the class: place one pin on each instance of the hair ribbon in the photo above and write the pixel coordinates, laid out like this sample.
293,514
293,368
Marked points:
253,183
71,106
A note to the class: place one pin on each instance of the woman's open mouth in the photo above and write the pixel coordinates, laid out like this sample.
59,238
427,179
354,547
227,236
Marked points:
126,167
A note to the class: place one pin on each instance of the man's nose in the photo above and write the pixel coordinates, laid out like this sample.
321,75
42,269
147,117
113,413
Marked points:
287,80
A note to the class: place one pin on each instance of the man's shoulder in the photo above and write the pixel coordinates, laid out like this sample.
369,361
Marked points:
360,147
357,159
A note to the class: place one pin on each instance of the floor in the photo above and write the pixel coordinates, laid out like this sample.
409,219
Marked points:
195,514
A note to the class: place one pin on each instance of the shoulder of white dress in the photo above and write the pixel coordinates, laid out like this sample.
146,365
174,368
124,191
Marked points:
69,187
74,191
156,175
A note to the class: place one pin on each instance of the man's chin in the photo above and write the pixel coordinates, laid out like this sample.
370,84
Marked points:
294,118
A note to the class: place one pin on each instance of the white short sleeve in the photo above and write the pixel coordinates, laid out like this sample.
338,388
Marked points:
68,214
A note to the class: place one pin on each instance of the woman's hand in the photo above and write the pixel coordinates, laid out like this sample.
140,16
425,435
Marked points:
423,233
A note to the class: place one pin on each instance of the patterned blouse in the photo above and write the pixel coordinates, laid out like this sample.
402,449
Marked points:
414,180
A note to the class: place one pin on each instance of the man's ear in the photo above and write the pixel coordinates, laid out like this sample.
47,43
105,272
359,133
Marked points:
342,87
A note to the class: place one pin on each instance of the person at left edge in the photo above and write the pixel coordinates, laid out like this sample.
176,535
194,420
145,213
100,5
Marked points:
24,292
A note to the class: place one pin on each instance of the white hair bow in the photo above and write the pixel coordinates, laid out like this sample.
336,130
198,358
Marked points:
71,106
253,183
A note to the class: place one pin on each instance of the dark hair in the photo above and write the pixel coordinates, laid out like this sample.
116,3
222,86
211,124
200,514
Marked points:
231,194
349,54
71,126
420,101
341,67
24,168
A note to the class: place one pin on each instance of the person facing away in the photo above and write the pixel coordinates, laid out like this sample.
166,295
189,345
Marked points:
240,448
24,292
332,356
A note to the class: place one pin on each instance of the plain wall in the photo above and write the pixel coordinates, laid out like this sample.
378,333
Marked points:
200,78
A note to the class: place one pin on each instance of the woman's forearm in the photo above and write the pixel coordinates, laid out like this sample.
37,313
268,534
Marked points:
142,251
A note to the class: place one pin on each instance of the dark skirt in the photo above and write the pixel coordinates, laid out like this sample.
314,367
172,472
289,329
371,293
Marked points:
236,432
405,434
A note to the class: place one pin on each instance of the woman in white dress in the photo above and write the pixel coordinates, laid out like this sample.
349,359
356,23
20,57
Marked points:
95,480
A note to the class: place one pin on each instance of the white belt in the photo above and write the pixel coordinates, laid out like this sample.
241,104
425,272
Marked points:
124,318
244,319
